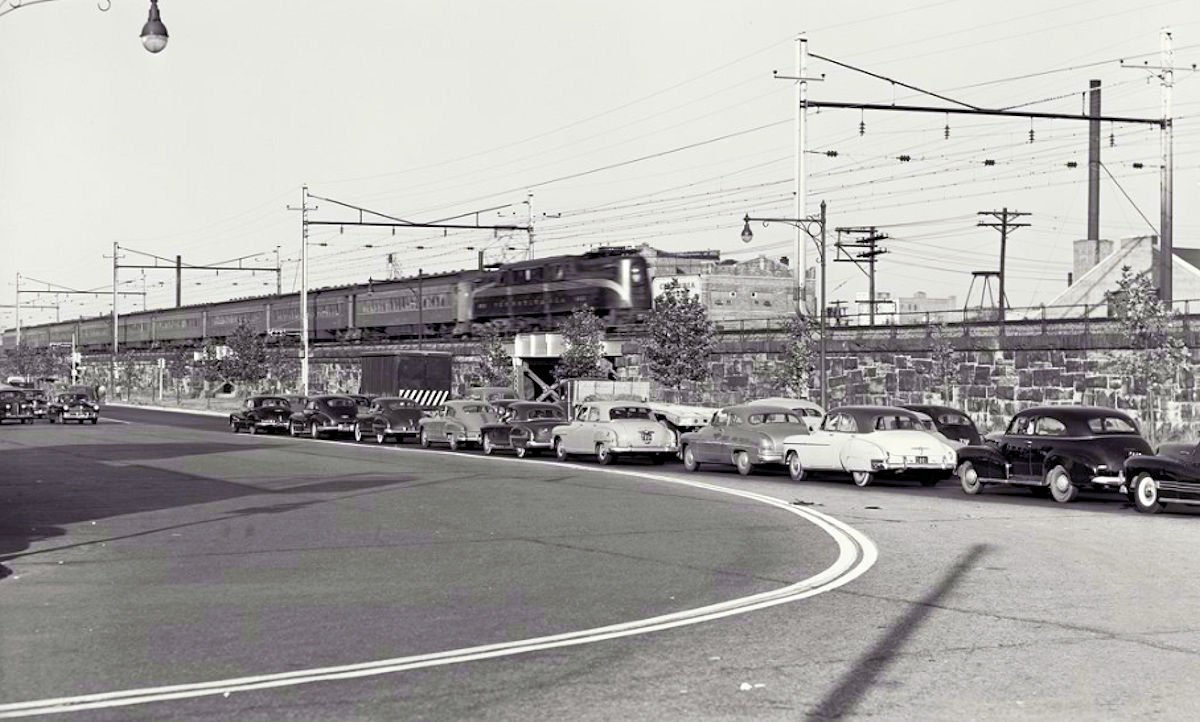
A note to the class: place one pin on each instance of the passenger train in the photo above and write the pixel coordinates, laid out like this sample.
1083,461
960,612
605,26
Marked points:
525,296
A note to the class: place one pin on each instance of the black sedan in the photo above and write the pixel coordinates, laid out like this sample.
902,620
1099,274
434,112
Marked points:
951,423
1172,476
15,406
389,417
321,415
262,413
73,406
524,428
1055,450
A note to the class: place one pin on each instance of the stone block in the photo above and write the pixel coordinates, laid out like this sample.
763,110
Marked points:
1045,377
906,380
983,374
1005,392
1024,377
922,365
1032,393
1075,365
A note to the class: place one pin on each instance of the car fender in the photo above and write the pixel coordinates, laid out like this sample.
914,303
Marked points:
856,454
1162,468
987,460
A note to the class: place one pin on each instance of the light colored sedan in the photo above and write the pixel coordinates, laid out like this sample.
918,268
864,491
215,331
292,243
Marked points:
609,429
871,441
456,423
810,411
745,437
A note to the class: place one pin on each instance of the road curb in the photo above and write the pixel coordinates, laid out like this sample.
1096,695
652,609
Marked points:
172,409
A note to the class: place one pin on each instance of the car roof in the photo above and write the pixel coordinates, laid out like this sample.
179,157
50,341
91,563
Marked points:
932,409
534,405
1071,411
327,397
456,403
757,408
605,405
786,402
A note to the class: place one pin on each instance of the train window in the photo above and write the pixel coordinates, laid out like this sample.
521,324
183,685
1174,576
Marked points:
557,272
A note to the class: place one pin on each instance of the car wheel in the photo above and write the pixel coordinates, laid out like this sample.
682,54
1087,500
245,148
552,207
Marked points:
293,429
1060,485
424,439
380,437
862,478
604,455
488,448
93,422
52,420
689,459
794,467
1145,494
233,426
452,440
521,452
742,461
314,431
253,428
968,476
358,436
560,451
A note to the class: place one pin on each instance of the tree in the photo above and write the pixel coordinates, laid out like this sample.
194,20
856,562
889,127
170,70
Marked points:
130,373
179,365
943,361
794,370
583,338
495,363
246,361
680,337
1155,355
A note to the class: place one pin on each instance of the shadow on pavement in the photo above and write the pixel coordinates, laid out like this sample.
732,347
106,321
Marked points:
45,488
858,680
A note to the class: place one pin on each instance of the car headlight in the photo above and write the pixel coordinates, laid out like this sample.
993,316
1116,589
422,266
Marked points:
767,444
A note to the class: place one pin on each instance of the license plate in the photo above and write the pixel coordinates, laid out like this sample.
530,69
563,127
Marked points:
922,459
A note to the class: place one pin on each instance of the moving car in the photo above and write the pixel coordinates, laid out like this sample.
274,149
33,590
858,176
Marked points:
389,417
15,406
810,411
951,423
73,406
262,413
328,414
745,437
610,429
1055,450
456,423
524,428
1171,476
869,442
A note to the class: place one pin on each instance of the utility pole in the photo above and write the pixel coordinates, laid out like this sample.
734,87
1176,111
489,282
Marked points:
178,281
278,273
1005,224
821,310
1093,227
17,307
304,208
868,254
112,365
1166,243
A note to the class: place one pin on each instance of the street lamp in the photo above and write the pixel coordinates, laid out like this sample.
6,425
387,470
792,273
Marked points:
814,228
154,33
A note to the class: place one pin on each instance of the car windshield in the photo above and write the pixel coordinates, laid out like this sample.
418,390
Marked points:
340,403
892,422
70,398
543,414
617,413
773,418
950,419
473,409
11,395
398,404
1111,425
273,403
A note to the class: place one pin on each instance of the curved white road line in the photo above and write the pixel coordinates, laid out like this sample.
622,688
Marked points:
856,554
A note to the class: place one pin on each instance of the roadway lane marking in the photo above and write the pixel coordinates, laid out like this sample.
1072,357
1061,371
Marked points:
856,554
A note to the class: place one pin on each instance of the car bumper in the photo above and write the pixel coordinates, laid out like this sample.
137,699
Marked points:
533,444
1109,481
401,432
770,457
79,415
645,449
905,466
281,424
337,428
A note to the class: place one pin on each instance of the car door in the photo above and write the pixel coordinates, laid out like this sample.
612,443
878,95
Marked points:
1045,439
822,445
1015,446
712,437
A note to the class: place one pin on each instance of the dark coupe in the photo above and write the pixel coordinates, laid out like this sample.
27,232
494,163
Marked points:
77,406
1172,476
950,422
15,406
524,427
1055,450
323,415
262,413
389,417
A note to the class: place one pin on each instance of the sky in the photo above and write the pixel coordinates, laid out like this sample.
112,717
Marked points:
614,123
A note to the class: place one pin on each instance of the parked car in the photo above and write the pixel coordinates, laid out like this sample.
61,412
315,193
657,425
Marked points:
15,406
610,429
1055,450
524,428
951,423
681,418
321,415
745,437
1170,476
456,423
869,442
73,406
262,413
809,411
41,402
389,417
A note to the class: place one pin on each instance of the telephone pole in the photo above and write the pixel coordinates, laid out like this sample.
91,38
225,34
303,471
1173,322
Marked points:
867,254
304,208
1004,223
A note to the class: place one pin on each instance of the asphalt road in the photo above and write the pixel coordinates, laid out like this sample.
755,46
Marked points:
168,551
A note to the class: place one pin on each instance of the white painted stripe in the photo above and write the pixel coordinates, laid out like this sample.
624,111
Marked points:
856,554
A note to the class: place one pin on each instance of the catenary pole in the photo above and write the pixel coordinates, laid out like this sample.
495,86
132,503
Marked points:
801,184
1166,249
